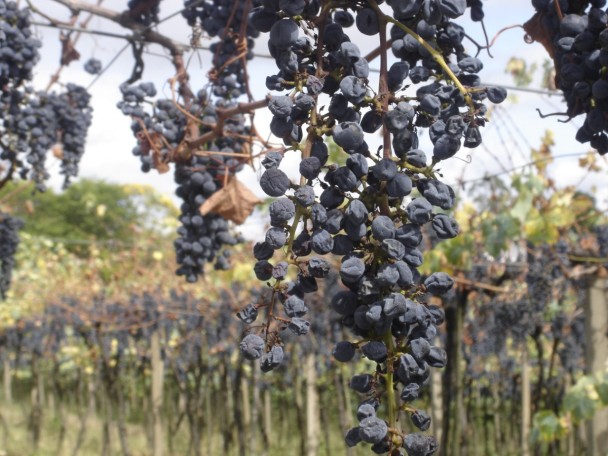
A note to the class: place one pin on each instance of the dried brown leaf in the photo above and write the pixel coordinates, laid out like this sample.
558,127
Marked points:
536,29
234,202
68,51
57,151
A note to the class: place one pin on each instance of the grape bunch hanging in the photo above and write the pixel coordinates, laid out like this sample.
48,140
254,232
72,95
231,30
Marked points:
371,209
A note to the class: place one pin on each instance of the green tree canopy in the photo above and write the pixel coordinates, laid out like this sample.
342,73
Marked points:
91,210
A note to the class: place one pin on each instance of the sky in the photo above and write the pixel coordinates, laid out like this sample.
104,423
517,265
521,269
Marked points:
507,138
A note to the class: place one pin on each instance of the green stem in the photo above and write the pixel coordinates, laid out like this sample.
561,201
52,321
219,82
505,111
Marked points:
294,226
436,55
427,171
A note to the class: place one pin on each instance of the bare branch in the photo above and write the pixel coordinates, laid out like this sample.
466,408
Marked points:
222,115
125,20
151,36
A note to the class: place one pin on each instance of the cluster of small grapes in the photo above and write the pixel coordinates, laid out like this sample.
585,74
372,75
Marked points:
35,121
18,56
579,41
73,115
93,66
202,237
602,239
9,241
570,332
225,20
43,120
160,133
144,12
362,214
18,47
545,277
31,123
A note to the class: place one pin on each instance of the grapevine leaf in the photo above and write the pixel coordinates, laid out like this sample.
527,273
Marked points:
581,400
602,388
546,427
234,202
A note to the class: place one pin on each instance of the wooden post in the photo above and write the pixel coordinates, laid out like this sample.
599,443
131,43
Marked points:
346,420
496,411
158,377
596,334
436,404
7,377
454,416
299,404
268,440
313,430
526,397
255,427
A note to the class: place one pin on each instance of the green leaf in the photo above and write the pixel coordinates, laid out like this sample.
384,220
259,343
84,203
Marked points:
582,400
499,230
601,387
522,207
546,427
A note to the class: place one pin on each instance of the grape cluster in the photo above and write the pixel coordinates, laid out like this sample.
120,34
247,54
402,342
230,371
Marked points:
30,127
18,47
202,237
93,66
35,122
601,232
9,241
73,115
18,56
160,133
372,208
40,121
578,43
144,12
224,20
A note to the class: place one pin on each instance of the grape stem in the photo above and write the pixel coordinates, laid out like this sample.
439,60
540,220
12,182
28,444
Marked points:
293,227
436,55
390,391
222,115
383,91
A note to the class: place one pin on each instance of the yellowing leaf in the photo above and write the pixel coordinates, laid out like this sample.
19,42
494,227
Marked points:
522,207
581,204
537,230
464,215
559,217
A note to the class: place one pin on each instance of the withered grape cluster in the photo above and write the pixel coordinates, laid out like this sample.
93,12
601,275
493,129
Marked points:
226,22
576,36
144,12
33,123
160,132
9,241
372,208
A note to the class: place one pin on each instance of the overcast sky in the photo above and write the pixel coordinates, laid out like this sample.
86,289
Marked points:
508,136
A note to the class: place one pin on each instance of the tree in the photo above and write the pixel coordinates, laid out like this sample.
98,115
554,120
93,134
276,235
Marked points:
89,211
